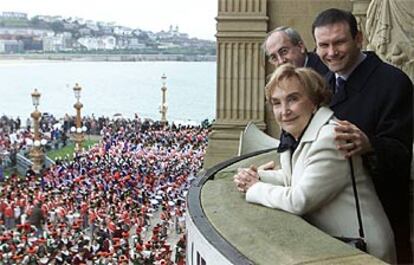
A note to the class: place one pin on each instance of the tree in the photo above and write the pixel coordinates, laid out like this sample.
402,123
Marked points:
57,26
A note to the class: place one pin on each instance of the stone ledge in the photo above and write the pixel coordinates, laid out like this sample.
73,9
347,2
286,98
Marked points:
268,236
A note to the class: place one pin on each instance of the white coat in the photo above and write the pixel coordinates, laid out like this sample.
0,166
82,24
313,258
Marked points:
315,183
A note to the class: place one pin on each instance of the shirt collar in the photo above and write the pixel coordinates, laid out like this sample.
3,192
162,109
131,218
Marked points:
346,75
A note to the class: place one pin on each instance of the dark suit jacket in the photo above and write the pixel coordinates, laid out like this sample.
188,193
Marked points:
378,98
316,64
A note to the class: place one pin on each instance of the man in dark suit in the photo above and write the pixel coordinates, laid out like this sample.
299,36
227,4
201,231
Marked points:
374,100
285,45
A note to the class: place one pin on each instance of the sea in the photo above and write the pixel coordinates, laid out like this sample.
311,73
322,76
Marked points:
110,89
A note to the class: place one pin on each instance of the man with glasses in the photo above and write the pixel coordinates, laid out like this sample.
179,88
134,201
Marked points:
285,45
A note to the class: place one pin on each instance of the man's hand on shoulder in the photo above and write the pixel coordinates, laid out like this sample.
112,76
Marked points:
351,140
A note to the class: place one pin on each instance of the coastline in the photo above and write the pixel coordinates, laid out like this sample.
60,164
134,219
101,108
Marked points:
105,57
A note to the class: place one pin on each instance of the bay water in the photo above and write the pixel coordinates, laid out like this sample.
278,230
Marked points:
109,88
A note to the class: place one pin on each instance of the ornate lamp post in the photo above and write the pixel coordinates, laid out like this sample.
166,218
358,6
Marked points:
164,105
36,153
78,131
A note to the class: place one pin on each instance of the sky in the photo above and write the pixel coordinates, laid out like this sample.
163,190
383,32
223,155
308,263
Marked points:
195,17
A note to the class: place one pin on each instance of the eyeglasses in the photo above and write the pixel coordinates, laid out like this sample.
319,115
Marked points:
274,58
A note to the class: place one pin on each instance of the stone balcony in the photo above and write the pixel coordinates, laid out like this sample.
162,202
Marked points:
224,229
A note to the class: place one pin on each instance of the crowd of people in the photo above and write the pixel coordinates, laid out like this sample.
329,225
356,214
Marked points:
120,202
17,137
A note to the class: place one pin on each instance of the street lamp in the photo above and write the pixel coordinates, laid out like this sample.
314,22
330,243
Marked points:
36,153
78,131
164,105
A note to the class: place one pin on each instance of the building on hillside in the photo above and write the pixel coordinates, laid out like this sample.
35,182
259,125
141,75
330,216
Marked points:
105,24
106,30
121,43
26,32
134,44
167,45
47,19
60,42
122,31
11,46
69,25
162,35
92,26
98,43
85,31
151,35
14,15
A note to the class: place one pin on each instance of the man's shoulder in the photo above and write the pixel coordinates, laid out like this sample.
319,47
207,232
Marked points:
316,64
312,55
381,76
382,67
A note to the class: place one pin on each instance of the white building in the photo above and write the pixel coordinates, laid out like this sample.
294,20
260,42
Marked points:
98,43
15,15
60,42
122,31
49,19
167,45
133,44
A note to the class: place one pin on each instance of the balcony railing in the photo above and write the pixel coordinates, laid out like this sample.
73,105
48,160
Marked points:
224,229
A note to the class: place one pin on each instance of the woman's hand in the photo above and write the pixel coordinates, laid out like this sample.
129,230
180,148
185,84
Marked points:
245,178
267,166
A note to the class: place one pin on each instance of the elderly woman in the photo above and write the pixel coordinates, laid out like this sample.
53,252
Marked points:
314,180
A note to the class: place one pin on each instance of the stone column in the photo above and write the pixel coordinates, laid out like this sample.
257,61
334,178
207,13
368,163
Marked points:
241,29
